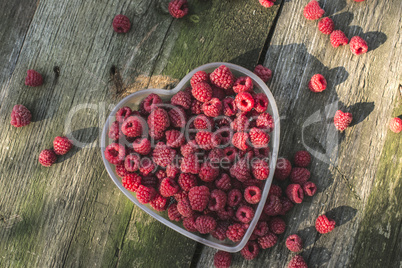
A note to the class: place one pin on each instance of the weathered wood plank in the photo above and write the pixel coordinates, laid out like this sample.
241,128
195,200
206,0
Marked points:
347,167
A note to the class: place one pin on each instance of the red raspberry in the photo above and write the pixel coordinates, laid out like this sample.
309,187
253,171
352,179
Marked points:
297,262
229,106
326,25
235,232
62,145
273,206
309,188
295,193
259,138
123,113
234,197
159,203
115,131
283,169
121,171
239,140
218,93
180,195
299,175
205,224
277,225
243,83
115,153
342,120
302,159
217,201
224,182
161,174
131,182
263,72
260,169
267,3
207,140
190,164
187,181
241,170
220,230
358,45
199,197
245,214
146,166
226,214
212,108
121,24
251,249
182,99
196,107
208,172
261,228
177,117
294,243
267,241
226,135
215,155
252,194
252,182
203,122
145,194
395,125
230,154
275,190
168,187
151,182
163,155
324,225
260,102
317,83
132,126
151,102
287,205
173,213
184,207
158,120
222,77
142,146
244,101
189,223
198,77
20,116
132,162
338,38
47,158
222,259
240,123
313,11
33,79
187,149
202,92
265,121
174,138
178,8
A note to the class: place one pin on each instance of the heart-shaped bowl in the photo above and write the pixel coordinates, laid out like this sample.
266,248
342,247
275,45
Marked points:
133,102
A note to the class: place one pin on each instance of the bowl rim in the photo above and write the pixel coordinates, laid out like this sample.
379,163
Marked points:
272,165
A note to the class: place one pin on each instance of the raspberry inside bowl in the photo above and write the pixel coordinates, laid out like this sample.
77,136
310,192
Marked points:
134,100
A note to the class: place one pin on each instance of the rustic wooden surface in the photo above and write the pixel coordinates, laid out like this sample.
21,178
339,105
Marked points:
72,215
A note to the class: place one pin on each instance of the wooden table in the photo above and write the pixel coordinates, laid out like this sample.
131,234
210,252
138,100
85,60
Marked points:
72,215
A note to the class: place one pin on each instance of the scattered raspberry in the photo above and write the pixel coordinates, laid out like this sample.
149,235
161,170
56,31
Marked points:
342,120
261,229
326,25
199,197
163,155
324,225
338,38
302,159
123,113
178,8
184,207
267,241
358,45
177,117
20,116
259,138
309,188
47,158
132,126
294,243
240,139
295,193
299,175
187,181
189,223
277,225
222,77
263,72
212,108
273,205
168,187
207,140
317,83
208,172
115,131
190,164
131,182
132,162
173,213
243,83
229,106
260,169
260,102
245,214
121,24
244,101
251,249
174,138
142,146
218,200
115,153
196,107
241,170
205,224
33,79
275,190
297,262
222,259
252,194
267,3
62,145
202,92
283,169
313,11
198,77
151,102
159,203
234,197
287,205
235,232
395,125
145,194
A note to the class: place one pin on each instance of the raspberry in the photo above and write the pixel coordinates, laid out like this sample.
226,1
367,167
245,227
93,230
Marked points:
224,182
218,200
121,24
297,262
20,116
235,232
218,93
267,241
207,140
177,117
261,228
115,131
159,203
240,123
190,164
260,102
132,162
395,125
230,154
189,223
208,172
222,77
295,193
174,138
287,205
203,122
33,79
260,169
263,72
267,3
158,120
196,107
115,153
239,140
222,259
226,214
273,206
173,213
294,243
243,83
342,120
187,181
324,225
259,138
182,99
180,195
252,194
198,77
142,146
184,207
132,126
275,190
205,224
47,158
123,113
244,101
145,194
178,8
358,45
252,182
161,174
234,197
151,102
245,214
241,170
62,145
251,249
187,149
299,175
212,108
313,11
146,166
163,155
338,38
302,159
172,171
277,225
151,182
283,169
202,92
215,155
131,182
229,106
265,121
121,171
168,187
326,25
199,197
309,188
261,152
317,83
